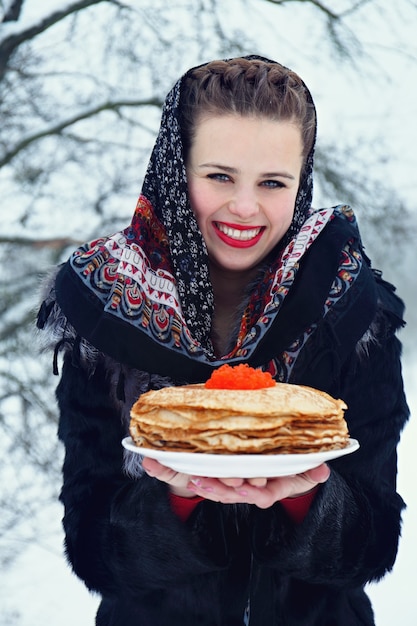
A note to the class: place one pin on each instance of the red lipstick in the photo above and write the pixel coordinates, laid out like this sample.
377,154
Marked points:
238,243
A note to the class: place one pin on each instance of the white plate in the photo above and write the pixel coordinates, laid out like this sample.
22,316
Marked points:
239,465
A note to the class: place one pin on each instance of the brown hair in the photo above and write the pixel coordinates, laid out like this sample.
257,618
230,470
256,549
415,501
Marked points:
248,87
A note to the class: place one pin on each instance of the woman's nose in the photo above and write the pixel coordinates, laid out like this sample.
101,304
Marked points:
244,204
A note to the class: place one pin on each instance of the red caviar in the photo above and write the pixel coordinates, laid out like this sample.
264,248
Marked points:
240,376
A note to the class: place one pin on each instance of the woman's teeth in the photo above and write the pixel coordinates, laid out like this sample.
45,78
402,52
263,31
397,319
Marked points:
240,235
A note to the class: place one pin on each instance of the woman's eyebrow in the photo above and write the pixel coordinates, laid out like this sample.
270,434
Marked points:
278,175
226,168
234,170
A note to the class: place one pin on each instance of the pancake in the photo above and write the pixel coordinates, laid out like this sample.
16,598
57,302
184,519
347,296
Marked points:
281,419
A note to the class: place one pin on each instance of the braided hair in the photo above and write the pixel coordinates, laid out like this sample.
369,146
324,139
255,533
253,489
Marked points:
248,86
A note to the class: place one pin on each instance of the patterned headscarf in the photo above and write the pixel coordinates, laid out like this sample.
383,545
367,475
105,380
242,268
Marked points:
165,186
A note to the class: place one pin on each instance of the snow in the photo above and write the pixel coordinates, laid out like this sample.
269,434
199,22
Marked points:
40,589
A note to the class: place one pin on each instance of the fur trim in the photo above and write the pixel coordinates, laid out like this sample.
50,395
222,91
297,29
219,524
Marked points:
387,321
57,333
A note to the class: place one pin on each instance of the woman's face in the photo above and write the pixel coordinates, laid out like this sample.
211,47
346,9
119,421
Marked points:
243,175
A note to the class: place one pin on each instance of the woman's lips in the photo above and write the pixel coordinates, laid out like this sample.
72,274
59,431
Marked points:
238,236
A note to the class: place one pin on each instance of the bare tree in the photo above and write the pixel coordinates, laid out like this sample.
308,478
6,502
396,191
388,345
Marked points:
81,87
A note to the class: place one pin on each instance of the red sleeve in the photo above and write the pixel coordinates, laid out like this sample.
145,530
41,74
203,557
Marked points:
183,507
297,508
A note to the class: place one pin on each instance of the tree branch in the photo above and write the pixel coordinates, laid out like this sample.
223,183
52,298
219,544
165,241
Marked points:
326,10
13,41
13,12
316,3
58,128
54,242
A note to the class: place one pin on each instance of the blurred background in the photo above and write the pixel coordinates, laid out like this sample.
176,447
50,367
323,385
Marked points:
82,83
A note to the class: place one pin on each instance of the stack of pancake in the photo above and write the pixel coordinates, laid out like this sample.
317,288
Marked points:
281,419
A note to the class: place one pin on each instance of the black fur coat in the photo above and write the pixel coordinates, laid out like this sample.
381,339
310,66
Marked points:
151,569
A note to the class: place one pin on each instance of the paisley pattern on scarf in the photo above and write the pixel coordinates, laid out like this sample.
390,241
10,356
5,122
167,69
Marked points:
350,266
131,273
137,285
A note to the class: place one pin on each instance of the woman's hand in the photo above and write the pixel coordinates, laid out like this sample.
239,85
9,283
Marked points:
179,483
263,492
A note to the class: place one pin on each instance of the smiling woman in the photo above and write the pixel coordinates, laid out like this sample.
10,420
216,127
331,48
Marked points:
226,262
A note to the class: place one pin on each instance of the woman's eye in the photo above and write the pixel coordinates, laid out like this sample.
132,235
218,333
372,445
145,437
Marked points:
273,184
218,176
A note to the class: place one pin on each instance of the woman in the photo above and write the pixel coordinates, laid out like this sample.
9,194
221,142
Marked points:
226,261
